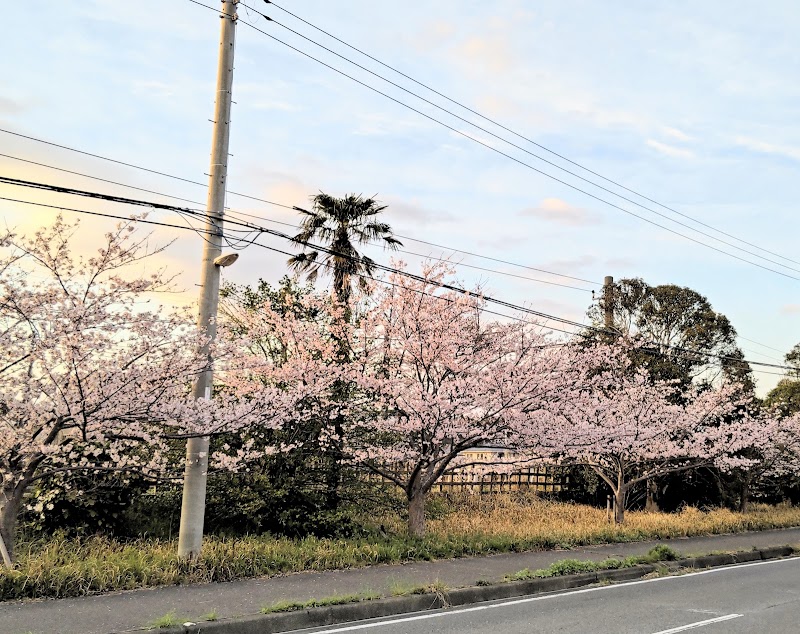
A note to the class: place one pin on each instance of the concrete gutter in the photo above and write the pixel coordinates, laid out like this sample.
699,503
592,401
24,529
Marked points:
378,608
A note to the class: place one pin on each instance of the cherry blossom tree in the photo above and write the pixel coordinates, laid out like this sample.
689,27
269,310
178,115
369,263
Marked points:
94,374
442,380
771,450
286,359
629,428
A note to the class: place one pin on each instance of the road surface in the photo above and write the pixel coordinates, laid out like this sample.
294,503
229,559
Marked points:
757,597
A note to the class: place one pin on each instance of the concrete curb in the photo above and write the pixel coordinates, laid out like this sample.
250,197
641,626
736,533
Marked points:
377,608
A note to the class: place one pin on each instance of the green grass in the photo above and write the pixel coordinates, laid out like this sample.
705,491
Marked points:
656,554
210,616
168,620
336,599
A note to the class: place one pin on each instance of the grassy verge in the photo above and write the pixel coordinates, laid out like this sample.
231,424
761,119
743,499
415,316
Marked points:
573,566
564,567
62,567
398,590
336,599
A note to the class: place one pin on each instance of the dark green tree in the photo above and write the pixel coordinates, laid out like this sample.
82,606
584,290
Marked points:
340,225
785,396
688,336
793,359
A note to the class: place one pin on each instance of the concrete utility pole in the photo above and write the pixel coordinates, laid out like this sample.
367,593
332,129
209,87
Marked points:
193,507
608,302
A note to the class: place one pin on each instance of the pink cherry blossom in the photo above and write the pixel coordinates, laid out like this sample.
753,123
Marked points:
441,379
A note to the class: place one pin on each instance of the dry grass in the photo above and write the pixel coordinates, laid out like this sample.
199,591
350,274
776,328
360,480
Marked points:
531,520
472,525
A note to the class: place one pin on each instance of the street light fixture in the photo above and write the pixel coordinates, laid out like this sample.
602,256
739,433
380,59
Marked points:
226,260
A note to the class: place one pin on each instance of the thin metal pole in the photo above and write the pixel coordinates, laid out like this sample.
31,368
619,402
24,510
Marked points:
193,507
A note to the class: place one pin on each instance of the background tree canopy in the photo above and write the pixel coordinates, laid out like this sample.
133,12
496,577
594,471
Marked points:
785,397
673,317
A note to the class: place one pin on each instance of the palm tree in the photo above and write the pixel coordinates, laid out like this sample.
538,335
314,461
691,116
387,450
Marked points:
339,225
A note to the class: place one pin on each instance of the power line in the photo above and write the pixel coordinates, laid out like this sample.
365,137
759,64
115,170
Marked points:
761,344
453,250
443,259
138,167
761,354
270,202
263,200
378,266
486,257
67,190
362,275
516,160
395,285
517,134
263,246
103,180
533,154
252,227
182,211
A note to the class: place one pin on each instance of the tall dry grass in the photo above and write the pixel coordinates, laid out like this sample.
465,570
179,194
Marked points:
531,520
472,525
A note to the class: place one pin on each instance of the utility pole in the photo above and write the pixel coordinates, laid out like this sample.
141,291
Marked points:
608,302
193,507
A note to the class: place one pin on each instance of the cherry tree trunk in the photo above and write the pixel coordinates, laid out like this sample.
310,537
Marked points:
10,502
650,505
620,498
416,514
744,496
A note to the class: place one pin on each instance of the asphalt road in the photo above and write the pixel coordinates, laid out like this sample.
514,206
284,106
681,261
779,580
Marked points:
760,597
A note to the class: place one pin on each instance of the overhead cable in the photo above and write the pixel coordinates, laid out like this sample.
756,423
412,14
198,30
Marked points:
263,200
521,136
533,154
382,267
517,160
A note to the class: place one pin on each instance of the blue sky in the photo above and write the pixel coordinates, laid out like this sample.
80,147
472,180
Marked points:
694,104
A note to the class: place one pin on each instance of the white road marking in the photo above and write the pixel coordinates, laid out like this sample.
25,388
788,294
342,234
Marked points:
491,606
691,626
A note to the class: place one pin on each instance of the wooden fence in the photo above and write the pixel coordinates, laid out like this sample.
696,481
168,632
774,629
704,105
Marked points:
539,478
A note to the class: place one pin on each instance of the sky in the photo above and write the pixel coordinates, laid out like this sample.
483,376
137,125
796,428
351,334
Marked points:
694,105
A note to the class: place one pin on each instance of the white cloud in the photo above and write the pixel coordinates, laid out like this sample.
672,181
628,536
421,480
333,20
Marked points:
9,106
790,309
669,150
786,151
158,89
410,213
559,211
677,134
